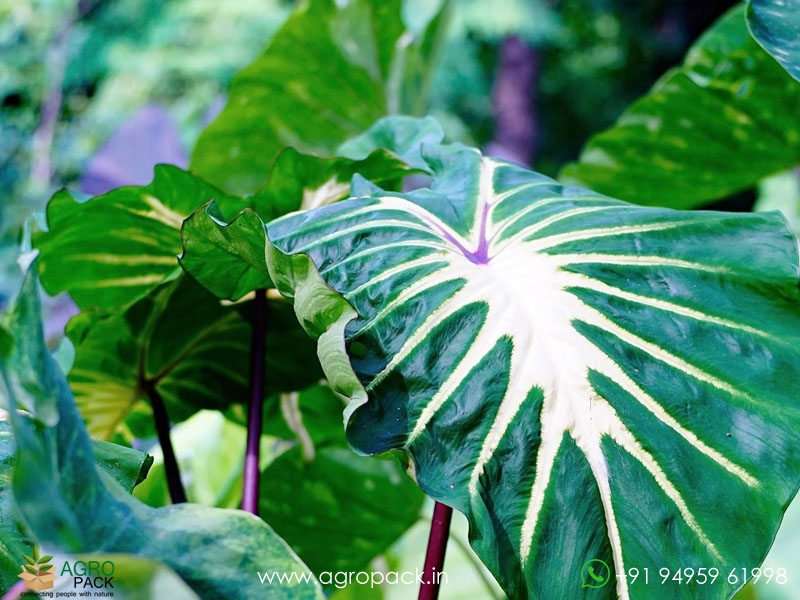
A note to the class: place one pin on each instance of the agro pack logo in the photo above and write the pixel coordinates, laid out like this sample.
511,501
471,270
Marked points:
37,572
90,574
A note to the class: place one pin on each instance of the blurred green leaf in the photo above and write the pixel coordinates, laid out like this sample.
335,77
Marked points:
25,357
70,506
339,510
125,465
719,123
312,92
774,24
212,473
136,578
781,192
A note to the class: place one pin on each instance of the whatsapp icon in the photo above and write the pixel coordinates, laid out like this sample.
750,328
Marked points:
595,573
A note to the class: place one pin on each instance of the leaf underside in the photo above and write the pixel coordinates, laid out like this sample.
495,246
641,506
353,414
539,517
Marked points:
582,377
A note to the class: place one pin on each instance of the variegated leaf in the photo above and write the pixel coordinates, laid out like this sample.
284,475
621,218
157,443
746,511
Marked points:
583,378
115,248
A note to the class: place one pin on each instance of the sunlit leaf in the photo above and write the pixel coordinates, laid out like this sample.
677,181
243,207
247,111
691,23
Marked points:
717,124
313,92
583,378
113,249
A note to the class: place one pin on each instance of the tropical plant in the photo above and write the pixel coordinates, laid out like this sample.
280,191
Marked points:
585,379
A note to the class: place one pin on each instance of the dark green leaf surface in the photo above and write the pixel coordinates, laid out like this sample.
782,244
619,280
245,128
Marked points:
180,340
339,510
214,256
719,123
115,248
775,25
70,506
313,92
583,378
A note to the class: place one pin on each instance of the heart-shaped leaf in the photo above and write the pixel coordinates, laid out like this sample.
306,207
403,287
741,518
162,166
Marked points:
113,249
583,378
774,24
719,123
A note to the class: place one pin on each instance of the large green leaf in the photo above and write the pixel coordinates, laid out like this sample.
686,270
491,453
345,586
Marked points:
313,92
213,251
113,249
775,23
719,123
181,342
69,506
583,378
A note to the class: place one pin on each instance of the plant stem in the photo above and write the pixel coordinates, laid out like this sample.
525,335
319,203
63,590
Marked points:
434,556
258,350
176,491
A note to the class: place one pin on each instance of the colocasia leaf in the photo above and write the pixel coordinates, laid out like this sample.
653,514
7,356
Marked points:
582,377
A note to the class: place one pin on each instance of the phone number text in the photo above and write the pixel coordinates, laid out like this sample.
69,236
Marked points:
704,575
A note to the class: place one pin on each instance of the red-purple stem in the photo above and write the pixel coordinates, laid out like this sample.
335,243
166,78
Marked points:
434,557
171,469
252,473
